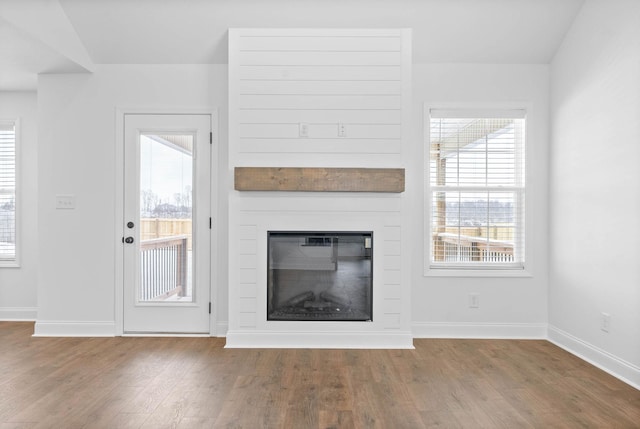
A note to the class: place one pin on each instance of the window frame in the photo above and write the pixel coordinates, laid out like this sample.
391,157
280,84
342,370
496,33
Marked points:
481,110
15,262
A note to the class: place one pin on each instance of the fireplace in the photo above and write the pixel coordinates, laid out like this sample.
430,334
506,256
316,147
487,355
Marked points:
319,276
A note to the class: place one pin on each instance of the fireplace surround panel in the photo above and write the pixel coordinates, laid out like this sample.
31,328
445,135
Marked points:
320,164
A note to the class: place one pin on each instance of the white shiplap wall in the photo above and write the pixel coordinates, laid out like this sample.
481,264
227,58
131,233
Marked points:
281,78
351,90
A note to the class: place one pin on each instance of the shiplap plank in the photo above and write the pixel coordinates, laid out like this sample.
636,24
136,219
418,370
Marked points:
320,43
247,304
392,248
391,291
391,306
246,261
329,146
391,277
382,204
392,262
391,320
247,275
247,290
358,102
320,131
305,58
247,232
247,247
262,116
318,157
319,179
268,131
246,320
392,233
279,87
313,73
318,32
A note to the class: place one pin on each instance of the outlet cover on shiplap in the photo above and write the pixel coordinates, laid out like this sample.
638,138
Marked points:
474,300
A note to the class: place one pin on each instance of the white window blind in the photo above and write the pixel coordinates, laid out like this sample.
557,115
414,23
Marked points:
7,191
477,189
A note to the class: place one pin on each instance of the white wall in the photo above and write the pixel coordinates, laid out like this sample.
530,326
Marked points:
512,306
77,156
595,195
18,286
77,125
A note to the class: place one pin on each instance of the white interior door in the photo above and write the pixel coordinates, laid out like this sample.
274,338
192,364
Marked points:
166,231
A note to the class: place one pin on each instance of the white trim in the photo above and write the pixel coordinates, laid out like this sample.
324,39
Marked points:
477,112
17,314
537,331
165,110
613,365
118,205
18,201
58,328
221,329
164,335
15,262
493,272
214,212
319,340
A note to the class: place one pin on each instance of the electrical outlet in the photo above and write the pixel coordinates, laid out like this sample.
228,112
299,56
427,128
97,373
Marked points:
474,300
342,130
303,129
605,322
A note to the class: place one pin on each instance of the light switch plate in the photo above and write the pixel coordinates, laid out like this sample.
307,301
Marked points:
65,202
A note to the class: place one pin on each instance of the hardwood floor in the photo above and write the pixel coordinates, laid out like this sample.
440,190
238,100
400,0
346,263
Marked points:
196,383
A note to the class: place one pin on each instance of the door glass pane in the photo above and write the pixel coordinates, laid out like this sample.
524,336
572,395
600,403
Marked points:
166,202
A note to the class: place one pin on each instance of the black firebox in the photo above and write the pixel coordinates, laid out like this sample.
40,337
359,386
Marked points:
320,276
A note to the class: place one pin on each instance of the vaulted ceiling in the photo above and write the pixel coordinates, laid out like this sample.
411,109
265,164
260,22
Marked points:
72,36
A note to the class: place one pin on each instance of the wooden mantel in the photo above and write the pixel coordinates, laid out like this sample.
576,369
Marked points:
319,179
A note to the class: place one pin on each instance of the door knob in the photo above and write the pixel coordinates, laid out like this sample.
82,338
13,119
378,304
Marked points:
130,225
128,240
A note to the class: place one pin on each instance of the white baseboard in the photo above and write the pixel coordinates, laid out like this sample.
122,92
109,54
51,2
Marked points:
18,314
607,362
45,328
320,340
480,330
221,329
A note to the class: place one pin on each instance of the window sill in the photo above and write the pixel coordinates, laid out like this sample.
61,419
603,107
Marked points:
453,272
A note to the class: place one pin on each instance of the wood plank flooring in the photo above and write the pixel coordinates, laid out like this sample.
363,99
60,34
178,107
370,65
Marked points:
196,383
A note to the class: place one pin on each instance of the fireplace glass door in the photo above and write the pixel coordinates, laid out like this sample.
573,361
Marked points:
320,276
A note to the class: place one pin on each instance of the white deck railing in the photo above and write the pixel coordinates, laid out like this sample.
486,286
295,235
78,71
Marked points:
449,247
163,268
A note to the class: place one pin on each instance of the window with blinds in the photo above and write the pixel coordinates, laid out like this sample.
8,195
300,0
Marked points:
477,189
7,192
